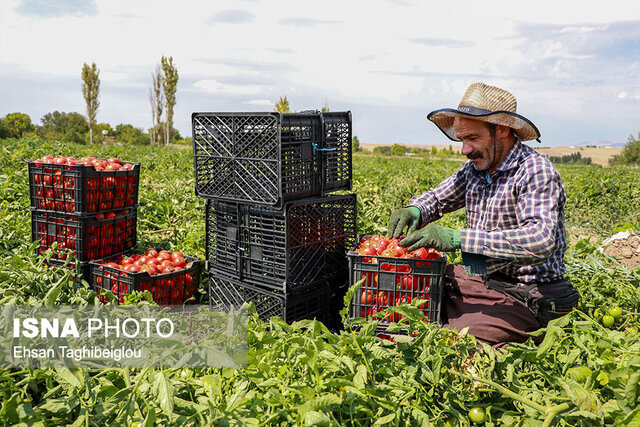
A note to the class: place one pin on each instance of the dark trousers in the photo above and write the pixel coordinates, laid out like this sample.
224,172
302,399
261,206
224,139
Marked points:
490,315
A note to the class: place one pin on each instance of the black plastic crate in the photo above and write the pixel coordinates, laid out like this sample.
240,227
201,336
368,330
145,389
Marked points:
173,288
81,189
337,140
314,303
281,249
391,281
88,237
270,158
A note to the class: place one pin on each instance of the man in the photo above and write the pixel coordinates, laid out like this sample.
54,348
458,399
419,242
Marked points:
514,243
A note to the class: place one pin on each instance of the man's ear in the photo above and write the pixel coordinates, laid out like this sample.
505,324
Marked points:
503,131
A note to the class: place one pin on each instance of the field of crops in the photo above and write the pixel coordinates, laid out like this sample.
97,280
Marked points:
583,373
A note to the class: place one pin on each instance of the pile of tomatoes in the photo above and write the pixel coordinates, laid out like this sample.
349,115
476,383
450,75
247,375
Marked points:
112,164
57,184
174,278
404,283
373,246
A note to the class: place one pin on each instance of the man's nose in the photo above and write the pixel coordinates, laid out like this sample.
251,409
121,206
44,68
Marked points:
466,149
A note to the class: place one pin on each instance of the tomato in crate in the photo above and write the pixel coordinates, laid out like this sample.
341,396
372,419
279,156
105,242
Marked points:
170,277
88,185
88,236
393,276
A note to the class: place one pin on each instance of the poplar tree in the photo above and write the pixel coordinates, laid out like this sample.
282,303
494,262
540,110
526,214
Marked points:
169,87
282,106
91,91
156,98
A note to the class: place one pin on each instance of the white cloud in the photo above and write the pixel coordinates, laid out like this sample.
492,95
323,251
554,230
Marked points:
622,95
260,102
214,86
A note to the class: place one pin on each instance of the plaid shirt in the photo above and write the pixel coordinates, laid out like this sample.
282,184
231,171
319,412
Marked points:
515,216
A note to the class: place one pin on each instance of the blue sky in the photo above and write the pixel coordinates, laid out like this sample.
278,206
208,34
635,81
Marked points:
574,66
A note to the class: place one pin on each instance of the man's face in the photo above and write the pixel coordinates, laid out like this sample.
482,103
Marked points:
478,143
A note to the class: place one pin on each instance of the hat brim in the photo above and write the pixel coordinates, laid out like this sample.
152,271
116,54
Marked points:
523,127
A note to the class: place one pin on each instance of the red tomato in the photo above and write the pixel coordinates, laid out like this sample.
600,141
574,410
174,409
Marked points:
151,252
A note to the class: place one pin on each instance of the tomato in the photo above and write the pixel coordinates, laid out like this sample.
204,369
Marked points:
383,298
608,320
477,415
407,282
166,263
151,252
365,298
421,253
615,312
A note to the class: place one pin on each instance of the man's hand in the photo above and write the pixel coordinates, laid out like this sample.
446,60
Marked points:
433,236
401,218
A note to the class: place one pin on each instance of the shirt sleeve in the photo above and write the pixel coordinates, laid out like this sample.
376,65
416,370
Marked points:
532,241
448,196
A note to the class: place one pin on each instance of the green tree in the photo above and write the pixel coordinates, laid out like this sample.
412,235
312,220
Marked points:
17,124
325,109
282,106
398,150
355,144
630,154
169,87
71,127
382,149
91,92
434,150
130,135
156,98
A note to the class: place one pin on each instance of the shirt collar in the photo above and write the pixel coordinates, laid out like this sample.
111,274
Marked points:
513,158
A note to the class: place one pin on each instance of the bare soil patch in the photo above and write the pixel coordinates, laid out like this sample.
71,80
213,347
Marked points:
625,251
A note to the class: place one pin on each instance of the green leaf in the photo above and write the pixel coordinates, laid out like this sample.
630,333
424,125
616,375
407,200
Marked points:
163,390
385,420
632,389
632,418
150,419
315,418
360,378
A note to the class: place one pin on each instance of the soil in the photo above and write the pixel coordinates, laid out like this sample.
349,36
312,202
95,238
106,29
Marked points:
625,251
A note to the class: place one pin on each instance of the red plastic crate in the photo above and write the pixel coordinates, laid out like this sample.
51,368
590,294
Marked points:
391,281
167,288
81,189
88,237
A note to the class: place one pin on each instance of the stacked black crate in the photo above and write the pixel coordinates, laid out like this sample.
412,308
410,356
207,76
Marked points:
80,211
274,236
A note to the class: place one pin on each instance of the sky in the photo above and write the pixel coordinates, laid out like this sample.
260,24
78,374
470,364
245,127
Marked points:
574,66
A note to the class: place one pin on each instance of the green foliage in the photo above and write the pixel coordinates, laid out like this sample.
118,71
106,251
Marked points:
573,158
382,150
355,145
398,150
67,127
630,154
169,88
130,135
303,373
282,106
91,92
15,125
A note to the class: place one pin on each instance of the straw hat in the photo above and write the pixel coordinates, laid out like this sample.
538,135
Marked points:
488,104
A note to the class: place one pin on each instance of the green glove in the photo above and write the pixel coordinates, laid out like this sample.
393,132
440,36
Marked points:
433,236
401,218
